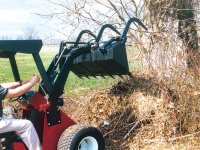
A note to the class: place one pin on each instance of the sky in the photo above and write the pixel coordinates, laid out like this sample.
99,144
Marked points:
17,15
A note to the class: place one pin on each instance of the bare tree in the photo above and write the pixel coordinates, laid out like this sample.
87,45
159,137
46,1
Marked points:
181,12
19,37
6,37
30,33
91,14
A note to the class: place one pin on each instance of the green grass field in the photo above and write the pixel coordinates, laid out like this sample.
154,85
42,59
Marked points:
74,86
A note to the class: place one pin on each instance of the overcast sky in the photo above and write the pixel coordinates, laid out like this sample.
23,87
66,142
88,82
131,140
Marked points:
16,15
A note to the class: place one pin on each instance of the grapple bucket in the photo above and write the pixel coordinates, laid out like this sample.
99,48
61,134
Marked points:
108,59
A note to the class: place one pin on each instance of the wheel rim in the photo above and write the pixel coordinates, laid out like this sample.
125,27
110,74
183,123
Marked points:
88,143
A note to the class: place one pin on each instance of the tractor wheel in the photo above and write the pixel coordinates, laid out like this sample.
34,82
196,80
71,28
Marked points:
81,137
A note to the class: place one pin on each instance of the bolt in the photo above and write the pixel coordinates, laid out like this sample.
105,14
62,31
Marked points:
49,124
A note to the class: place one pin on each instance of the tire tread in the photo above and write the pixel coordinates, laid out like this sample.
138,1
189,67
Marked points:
71,133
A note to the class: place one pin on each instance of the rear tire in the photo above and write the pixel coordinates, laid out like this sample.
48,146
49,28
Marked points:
81,137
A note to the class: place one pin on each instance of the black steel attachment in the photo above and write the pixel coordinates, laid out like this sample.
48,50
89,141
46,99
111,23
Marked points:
106,58
124,34
102,30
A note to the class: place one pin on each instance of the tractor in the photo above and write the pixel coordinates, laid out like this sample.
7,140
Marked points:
94,58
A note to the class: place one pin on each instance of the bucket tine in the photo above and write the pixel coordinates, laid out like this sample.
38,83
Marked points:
80,77
121,76
95,76
112,76
130,75
103,76
87,77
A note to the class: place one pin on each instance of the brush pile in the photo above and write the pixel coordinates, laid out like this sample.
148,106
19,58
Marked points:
141,110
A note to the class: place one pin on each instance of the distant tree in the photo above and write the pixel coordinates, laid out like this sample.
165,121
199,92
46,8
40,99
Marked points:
6,37
19,37
29,33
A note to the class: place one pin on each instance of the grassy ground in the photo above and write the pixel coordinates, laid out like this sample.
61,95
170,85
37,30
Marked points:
74,86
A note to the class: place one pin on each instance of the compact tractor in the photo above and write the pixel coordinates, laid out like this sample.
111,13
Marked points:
94,58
